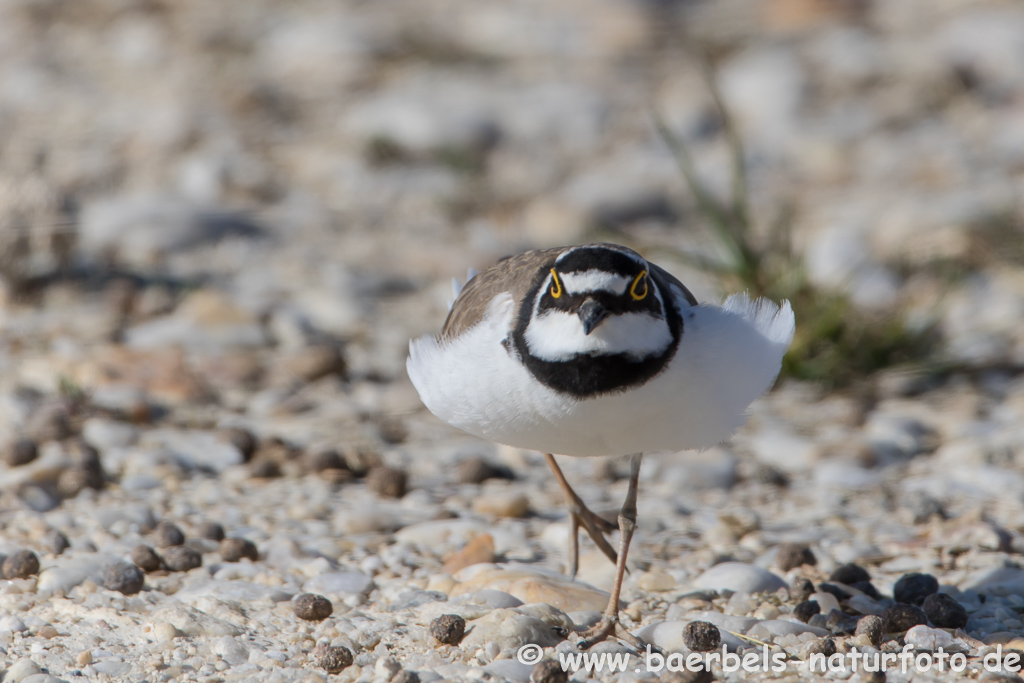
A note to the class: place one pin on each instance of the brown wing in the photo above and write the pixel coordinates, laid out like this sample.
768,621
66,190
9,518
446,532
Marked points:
514,275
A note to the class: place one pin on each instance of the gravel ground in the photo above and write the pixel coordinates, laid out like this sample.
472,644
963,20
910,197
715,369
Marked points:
222,222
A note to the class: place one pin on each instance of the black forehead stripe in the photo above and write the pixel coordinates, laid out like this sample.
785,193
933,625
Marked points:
599,258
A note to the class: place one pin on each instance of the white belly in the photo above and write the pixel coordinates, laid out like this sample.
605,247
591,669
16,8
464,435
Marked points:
728,357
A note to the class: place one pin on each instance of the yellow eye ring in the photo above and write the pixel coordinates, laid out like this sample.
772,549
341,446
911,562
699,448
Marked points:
556,288
638,296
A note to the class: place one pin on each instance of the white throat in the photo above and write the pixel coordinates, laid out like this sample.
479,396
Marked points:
559,336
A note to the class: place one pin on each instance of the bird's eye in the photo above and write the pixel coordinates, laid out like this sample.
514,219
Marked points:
639,288
556,286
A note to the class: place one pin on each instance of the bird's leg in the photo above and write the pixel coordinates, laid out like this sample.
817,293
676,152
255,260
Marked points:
580,514
609,624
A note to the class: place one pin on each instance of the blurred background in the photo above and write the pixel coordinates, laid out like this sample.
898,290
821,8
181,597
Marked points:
221,222
311,164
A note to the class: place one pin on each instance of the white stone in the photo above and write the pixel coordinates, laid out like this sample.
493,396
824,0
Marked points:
339,583
925,638
20,670
739,578
510,629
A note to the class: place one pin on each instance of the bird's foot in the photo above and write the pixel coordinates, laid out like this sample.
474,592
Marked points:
609,627
596,527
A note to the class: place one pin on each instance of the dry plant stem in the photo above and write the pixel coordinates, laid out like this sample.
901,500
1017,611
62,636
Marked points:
609,625
580,514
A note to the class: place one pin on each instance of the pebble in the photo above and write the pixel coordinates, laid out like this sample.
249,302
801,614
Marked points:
825,646
387,482
806,609
20,452
20,670
511,504
124,577
827,602
922,637
530,585
181,558
849,574
801,589
334,659
168,534
312,607
20,565
406,676
477,470
244,441
55,542
901,617
480,549
792,555
339,583
448,629
739,578
700,636
146,559
237,549
944,611
872,627
510,629
211,531
914,588
548,671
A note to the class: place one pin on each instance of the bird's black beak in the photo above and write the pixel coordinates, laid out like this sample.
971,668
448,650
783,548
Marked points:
591,314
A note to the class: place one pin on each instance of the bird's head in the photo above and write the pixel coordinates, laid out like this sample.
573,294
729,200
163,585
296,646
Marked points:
597,300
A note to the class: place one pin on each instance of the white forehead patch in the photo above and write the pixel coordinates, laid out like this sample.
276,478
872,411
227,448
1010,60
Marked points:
593,281
558,336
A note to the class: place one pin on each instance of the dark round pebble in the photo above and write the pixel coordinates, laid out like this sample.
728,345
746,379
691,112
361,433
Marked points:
944,611
387,482
124,577
211,531
406,676
873,627
548,671
868,589
806,609
835,590
329,459
181,558
448,629
312,607
265,468
21,452
235,549
825,646
913,588
902,617
168,534
242,439
21,565
392,430
56,542
801,589
849,574
701,636
146,559
478,470
335,659
793,555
